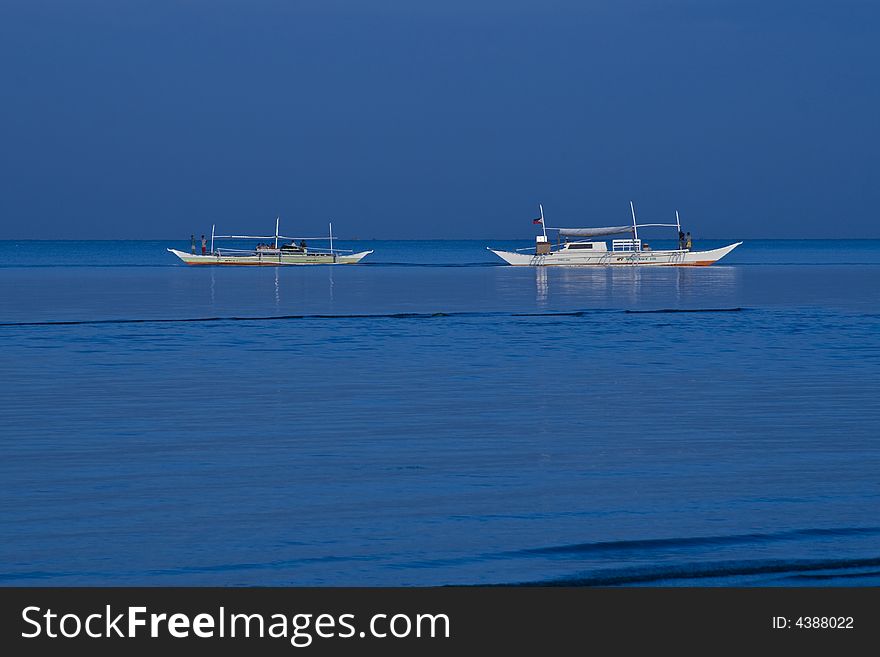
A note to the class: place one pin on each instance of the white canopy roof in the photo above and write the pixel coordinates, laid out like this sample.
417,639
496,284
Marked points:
595,232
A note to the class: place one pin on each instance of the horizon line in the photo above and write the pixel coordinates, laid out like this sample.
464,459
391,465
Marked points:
422,239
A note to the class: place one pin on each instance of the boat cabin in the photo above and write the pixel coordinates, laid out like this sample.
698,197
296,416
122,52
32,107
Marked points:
581,246
542,246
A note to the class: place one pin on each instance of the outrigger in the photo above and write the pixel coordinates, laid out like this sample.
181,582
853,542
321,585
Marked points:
631,251
273,254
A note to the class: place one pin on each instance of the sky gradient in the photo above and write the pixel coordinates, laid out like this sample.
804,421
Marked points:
396,119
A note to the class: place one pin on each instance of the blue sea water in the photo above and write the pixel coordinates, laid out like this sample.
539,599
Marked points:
434,417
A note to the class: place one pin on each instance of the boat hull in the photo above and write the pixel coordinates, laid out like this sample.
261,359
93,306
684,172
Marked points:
564,257
271,260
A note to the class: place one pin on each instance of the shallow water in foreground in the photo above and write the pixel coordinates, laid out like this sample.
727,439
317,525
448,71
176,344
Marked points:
430,417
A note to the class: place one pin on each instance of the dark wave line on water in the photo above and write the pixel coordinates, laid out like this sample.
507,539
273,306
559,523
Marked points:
159,572
827,576
698,541
717,569
685,310
186,320
373,265
268,318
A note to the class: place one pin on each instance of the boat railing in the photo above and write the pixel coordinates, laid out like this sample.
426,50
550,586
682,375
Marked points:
326,251
278,251
628,246
619,246
220,251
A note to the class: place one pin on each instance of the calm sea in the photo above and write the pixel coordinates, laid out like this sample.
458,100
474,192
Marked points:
432,416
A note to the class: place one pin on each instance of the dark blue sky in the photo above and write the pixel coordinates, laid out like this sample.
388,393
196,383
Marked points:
155,119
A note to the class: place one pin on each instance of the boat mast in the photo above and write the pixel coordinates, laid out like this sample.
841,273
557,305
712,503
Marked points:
331,237
678,226
543,225
212,238
635,226
277,219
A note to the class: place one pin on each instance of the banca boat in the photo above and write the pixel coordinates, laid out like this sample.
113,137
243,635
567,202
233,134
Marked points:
273,253
631,251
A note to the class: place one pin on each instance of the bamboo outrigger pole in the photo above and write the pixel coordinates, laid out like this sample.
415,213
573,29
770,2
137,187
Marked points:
678,226
635,226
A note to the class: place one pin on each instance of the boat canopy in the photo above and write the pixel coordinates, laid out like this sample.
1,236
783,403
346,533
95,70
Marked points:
595,232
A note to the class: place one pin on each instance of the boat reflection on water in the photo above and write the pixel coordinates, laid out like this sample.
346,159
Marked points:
541,286
330,269
610,287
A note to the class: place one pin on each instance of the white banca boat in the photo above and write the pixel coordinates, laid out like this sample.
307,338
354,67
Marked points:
631,251
273,252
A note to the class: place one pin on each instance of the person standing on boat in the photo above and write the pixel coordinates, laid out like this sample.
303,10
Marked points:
204,246
680,240
192,243
688,242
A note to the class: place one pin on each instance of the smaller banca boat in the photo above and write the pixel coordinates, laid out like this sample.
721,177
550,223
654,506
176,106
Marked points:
276,250
630,251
